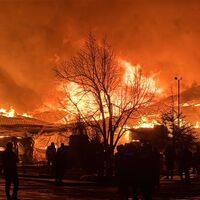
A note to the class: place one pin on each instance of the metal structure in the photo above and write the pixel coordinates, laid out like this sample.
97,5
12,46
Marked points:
179,98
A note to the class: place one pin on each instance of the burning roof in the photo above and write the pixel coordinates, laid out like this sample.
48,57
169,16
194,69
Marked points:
21,121
26,126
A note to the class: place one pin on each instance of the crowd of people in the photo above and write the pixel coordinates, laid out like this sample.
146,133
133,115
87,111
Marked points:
57,160
138,167
183,158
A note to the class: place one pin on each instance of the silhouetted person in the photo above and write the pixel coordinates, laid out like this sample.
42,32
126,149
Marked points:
170,156
10,160
156,161
146,168
100,161
15,146
60,163
184,162
126,161
131,169
120,171
196,161
51,154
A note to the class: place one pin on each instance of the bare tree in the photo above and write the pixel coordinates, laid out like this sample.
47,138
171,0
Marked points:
95,90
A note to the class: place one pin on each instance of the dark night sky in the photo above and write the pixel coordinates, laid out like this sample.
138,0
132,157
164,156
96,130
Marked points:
161,35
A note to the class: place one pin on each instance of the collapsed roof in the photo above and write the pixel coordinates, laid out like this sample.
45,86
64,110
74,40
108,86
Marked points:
26,126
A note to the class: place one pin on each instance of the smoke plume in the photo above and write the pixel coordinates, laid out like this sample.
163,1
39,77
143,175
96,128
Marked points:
160,35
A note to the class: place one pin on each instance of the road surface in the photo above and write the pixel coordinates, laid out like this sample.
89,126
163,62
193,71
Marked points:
37,189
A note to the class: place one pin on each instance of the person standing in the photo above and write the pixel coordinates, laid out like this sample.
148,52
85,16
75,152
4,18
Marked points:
196,161
184,162
156,168
147,171
120,171
10,160
60,164
170,156
51,154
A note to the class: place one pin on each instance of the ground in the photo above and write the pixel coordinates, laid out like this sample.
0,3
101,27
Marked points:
45,189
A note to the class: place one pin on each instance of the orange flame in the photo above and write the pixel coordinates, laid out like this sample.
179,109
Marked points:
12,113
197,125
86,102
129,75
146,123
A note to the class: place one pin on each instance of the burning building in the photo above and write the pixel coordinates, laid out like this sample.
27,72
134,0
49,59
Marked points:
30,135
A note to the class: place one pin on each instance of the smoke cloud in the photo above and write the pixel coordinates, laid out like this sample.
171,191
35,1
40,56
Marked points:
160,35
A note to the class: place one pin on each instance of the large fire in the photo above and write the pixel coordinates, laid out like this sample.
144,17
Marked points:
85,102
146,123
12,113
131,70
197,125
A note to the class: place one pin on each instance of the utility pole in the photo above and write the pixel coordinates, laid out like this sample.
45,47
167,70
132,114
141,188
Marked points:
179,99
